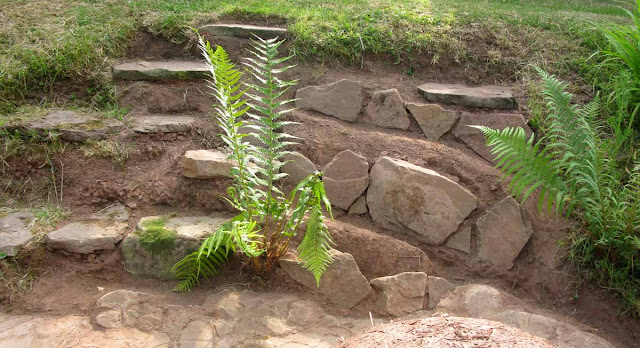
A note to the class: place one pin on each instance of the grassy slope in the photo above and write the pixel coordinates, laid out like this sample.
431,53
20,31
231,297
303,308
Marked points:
44,41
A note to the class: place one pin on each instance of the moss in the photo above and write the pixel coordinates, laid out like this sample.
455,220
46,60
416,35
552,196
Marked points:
155,237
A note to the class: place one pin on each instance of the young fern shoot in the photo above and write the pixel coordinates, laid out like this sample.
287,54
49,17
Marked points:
268,219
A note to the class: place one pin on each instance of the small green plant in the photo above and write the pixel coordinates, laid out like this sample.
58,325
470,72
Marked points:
268,218
156,237
575,173
118,152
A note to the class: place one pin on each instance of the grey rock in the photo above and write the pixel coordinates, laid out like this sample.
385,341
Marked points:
206,164
163,123
342,99
75,127
438,289
86,238
156,262
243,31
474,137
359,207
342,283
461,240
400,294
166,70
298,167
15,232
386,109
493,97
502,233
433,119
346,178
416,201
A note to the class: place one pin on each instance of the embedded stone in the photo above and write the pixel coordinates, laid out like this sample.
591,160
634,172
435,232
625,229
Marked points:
492,97
163,123
386,109
73,126
359,207
474,300
206,164
342,283
438,289
163,70
475,139
433,119
156,256
346,178
400,294
341,99
116,212
297,167
15,232
461,240
502,233
416,201
86,238
197,334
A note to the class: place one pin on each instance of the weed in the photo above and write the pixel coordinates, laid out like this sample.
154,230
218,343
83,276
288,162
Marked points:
116,151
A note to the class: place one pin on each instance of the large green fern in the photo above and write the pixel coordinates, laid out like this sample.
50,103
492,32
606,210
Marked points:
573,171
268,219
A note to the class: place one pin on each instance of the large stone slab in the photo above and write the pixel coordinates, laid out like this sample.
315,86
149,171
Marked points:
165,70
342,283
298,167
73,126
15,232
386,109
400,294
433,119
474,137
243,31
163,123
206,164
502,232
408,199
493,97
342,99
345,178
86,238
155,260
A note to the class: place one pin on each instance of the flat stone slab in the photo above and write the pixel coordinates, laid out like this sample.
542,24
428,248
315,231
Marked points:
492,97
165,70
163,123
243,31
475,139
86,238
156,260
341,99
117,212
206,164
15,232
73,126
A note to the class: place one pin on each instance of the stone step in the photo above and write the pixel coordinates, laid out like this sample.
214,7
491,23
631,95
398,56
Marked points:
163,123
492,97
160,70
243,31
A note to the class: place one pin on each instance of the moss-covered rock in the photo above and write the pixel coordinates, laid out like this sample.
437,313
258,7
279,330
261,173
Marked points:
159,242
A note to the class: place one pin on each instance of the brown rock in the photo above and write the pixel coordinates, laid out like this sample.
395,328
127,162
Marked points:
438,288
416,201
461,240
298,167
346,178
342,99
493,97
386,109
400,294
433,119
206,164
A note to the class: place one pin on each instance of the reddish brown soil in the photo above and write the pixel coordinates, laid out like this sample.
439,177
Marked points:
150,183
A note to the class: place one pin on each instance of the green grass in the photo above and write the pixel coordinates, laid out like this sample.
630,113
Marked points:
43,42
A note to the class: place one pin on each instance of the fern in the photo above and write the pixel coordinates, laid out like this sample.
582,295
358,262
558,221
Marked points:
268,219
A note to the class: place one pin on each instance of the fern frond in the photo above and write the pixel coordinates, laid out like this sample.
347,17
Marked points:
530,168
315,246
